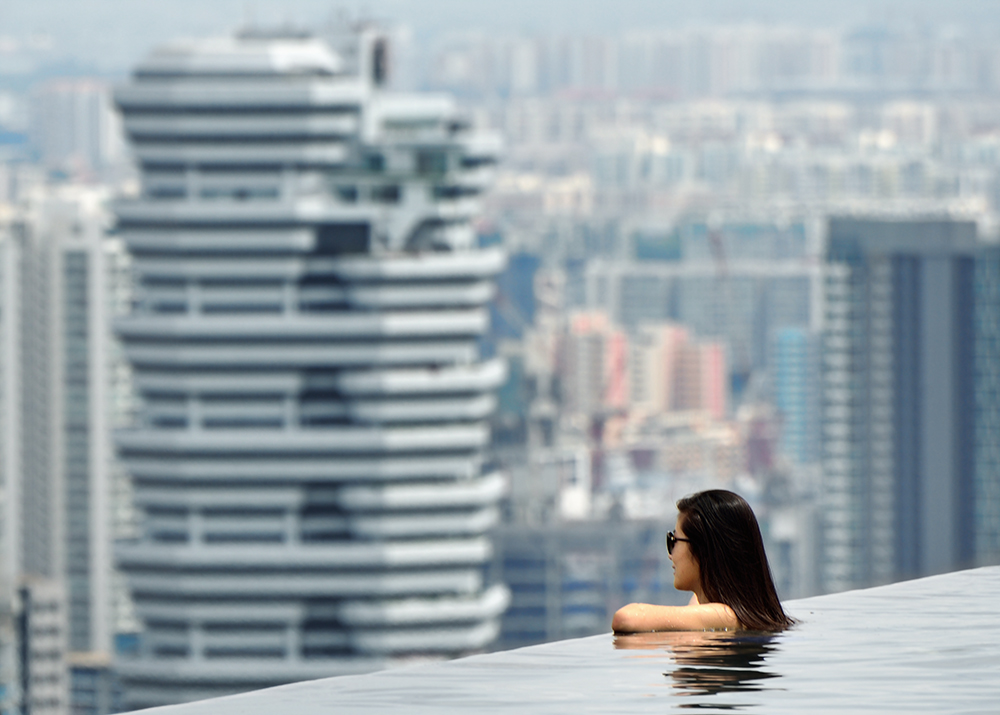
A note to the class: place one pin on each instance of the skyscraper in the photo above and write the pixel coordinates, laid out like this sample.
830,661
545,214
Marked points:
309,471
53,430
74,127
986,488
10,469
65,434
899,407
794,366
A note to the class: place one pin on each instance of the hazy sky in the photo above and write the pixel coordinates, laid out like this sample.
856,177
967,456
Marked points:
112,35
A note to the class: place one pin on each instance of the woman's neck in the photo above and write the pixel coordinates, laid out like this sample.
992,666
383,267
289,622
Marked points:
699,593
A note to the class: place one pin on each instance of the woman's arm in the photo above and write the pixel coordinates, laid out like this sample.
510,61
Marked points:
641,617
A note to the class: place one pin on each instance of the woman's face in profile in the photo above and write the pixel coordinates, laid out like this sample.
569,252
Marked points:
687,573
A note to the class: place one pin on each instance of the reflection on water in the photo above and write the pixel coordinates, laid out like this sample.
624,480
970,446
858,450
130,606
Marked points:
710,663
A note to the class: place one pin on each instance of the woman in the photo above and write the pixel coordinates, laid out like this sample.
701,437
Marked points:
718,554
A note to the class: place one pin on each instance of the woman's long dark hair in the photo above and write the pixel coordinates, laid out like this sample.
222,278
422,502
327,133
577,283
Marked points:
725,540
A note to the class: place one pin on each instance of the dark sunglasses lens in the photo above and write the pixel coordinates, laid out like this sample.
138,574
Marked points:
671,540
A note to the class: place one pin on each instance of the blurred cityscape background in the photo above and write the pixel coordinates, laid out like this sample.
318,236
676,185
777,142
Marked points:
336,345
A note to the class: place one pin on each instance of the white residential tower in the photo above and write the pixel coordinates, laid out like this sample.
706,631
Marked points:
309,467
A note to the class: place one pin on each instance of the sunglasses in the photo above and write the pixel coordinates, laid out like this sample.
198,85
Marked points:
672,541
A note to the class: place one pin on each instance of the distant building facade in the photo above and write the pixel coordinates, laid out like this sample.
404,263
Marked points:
670,370
986,486
740,304
10,471
93,684
796,391
65,431
42,642
567,578
594,365
74,127
903,423
56,411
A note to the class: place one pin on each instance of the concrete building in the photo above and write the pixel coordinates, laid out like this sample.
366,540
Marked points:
594,366
795,383
55,418
309,459
899,406
93,684
42,641
986,486
654,365
64,432
10,529
670,371
74,126
10,468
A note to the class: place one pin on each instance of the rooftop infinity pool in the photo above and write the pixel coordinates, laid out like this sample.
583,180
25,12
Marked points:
931,645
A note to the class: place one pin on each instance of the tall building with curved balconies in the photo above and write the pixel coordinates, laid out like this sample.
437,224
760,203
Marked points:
308,467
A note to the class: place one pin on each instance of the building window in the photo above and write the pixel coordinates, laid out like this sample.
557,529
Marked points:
454,192
389,194
347,194
432,162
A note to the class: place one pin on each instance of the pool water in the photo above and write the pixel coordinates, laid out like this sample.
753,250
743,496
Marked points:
703,665
930,645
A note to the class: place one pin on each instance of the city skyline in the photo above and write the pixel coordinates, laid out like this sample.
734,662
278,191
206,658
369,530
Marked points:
109,36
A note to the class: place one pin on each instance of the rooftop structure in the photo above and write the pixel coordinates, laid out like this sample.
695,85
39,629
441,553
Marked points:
309,465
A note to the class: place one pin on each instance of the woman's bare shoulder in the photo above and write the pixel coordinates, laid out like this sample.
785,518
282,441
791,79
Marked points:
640,617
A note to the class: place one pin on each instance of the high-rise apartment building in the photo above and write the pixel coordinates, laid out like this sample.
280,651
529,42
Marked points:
56,413
42,642
900,416
55,443
669,371
10,468
594,366
986,487
64,431
10,401
74,126
308,467
56,456
656,354
795,385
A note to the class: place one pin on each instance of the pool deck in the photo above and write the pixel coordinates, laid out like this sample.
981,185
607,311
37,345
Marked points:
929,645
